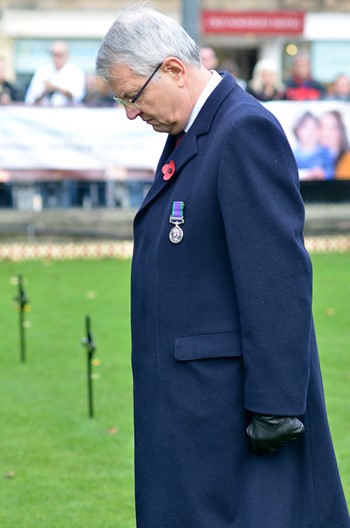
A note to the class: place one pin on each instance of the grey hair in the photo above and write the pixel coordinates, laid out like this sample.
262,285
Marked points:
142,38
269,65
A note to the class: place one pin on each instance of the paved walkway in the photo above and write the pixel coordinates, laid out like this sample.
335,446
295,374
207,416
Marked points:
116,224
107,233
327,219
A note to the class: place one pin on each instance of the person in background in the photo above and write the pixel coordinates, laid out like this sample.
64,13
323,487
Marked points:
340,89
59,83
265,84
301,85
313,159
230,419
231,66
209,58
6,197
98,93
8,95
8,91
334,138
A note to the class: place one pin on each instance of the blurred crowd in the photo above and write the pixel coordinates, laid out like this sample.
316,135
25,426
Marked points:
59,82
62,83
322,148
266,83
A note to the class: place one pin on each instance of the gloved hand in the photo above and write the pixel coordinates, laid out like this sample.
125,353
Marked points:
269,433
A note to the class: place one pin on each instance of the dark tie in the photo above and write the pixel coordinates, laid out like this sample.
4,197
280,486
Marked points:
179,138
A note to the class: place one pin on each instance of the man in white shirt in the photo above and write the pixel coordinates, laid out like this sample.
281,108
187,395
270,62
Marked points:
60,83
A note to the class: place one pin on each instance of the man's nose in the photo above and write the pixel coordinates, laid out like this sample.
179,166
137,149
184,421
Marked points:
132,113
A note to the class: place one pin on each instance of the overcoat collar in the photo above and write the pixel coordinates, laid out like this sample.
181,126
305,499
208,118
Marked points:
188,148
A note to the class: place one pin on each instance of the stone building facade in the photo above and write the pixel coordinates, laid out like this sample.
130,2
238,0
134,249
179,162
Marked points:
27,27
167,5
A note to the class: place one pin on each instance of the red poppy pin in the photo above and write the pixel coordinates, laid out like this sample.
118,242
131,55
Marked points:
168,170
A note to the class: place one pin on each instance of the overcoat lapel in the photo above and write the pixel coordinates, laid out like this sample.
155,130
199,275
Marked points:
180,156
188,147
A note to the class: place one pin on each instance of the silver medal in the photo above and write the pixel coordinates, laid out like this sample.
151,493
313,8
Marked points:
176,234
177,217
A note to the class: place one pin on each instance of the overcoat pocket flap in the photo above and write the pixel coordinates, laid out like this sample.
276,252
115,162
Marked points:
206,346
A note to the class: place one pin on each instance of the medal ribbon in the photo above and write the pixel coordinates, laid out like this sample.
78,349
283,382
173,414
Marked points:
177,213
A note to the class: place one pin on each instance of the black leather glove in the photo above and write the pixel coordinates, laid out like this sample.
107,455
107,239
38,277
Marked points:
269,433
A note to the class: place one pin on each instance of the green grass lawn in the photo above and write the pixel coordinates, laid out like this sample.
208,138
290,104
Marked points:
60,468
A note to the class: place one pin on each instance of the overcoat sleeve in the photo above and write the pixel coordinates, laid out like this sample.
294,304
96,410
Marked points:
263,215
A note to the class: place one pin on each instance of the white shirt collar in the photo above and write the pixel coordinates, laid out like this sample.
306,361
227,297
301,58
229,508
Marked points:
215,79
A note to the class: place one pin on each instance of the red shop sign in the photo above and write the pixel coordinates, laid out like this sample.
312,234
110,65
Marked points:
259,22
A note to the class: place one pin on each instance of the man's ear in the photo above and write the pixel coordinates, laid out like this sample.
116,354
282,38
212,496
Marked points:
176,68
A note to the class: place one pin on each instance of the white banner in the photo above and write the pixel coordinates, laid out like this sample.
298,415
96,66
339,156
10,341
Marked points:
103,139
75,139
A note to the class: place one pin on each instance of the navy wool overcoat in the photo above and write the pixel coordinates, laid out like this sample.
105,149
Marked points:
222,327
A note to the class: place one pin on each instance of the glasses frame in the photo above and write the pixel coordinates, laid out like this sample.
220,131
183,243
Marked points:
131,103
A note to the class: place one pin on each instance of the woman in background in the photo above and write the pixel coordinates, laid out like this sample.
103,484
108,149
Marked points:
265,84
314,160
334,138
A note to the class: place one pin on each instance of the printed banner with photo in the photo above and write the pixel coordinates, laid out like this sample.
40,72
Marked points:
318,132
95,139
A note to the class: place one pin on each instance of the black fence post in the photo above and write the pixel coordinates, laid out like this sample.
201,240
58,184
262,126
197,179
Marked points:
88,343
22,301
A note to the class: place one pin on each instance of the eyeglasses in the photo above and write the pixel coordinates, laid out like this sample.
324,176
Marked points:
131,103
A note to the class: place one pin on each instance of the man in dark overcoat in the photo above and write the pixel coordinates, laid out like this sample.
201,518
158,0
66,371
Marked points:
230,421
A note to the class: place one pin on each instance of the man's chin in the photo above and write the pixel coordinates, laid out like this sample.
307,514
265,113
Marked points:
160,128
